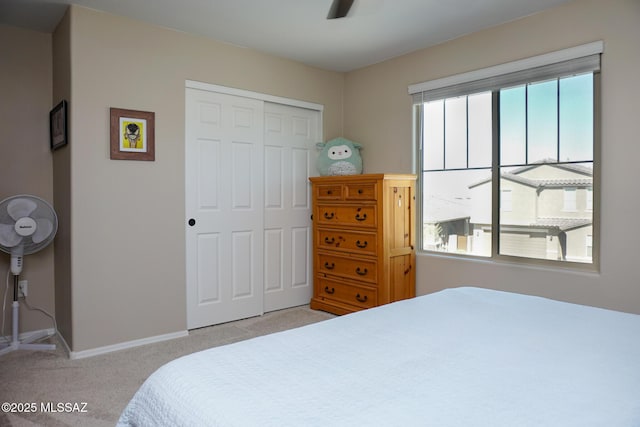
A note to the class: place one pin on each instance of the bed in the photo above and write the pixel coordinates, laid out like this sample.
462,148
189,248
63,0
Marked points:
460,357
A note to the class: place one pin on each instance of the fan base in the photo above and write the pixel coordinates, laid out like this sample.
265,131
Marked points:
25,344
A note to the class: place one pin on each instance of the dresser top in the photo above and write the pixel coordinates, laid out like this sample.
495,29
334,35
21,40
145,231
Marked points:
362,177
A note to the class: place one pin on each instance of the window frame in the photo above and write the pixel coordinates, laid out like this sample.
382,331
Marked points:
495,256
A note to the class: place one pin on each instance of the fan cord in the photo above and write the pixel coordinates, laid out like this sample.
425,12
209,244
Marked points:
4,306
26,303
46,313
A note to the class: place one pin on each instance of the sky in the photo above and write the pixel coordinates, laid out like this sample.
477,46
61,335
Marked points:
532,120
573,126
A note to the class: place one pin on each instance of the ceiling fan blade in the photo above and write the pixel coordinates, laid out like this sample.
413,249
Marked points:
8,236
19,208
43,230
339,9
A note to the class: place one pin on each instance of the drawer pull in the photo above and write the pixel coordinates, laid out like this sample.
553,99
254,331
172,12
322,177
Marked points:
361,245
329,266
361,299
362,272
328,215
362,217
329,192
329,290
359,190
329,241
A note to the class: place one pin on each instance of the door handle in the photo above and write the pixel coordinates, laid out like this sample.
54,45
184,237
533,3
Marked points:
192,222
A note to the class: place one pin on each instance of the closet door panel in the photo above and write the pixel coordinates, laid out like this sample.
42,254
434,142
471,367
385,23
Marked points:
224,204
292,133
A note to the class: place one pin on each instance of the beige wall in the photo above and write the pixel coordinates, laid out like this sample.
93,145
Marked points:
378,114
62,181
25,157
128,232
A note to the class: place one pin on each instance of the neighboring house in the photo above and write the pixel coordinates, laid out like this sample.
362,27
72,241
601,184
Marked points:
546,212
446,218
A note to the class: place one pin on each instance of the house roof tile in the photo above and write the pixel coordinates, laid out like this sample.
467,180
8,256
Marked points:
563,224
514,175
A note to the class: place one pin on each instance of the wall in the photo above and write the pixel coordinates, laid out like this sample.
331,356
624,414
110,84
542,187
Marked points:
25,157
128,223
378,114
62,181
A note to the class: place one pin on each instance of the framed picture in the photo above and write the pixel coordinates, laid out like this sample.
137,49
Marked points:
58,126
132,135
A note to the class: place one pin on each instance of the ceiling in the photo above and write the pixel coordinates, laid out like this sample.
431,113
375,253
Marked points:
374,30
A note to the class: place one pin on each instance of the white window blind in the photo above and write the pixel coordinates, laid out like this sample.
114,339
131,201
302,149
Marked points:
579,59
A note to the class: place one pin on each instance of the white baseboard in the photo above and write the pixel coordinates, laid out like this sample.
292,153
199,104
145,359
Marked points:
124,345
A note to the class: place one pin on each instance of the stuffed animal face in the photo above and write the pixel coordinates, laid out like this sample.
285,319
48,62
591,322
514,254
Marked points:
339,152
339,157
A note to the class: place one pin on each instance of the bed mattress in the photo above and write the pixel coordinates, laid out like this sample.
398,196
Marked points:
459,357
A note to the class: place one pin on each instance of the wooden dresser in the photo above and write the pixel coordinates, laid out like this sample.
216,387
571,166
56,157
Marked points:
363,241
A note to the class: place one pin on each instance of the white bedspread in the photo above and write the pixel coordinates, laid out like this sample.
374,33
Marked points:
459,357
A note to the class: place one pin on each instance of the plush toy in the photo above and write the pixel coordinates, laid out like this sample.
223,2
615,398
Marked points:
339,157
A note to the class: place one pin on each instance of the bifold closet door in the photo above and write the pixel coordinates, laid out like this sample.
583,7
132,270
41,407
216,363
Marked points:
224,207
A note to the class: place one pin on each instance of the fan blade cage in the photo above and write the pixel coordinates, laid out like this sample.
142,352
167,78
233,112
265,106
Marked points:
15,208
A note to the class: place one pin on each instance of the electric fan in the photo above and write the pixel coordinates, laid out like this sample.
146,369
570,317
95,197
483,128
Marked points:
27,225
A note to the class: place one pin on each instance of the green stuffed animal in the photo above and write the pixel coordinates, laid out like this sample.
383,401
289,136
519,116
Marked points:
339,157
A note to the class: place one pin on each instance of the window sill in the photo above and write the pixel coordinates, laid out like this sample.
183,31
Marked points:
530,263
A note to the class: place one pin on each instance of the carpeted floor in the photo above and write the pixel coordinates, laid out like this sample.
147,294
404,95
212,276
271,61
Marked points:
98,388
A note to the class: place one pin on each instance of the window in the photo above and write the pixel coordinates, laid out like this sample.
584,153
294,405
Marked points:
506,204
507,158
569,199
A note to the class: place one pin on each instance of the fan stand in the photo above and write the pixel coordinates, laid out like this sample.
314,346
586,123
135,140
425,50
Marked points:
25,344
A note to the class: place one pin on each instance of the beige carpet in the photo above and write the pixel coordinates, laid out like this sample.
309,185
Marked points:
106,383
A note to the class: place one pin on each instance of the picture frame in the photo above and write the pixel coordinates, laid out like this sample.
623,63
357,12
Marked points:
132,134
58,126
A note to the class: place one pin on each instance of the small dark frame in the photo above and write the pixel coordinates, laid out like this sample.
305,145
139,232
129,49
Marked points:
58,126
131,126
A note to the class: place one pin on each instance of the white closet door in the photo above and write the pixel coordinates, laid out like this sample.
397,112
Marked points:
290,135
224,202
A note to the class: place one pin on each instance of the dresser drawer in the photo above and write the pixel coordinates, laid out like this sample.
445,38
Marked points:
329,192
353,268
359,296
364,243
359,216
360,191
